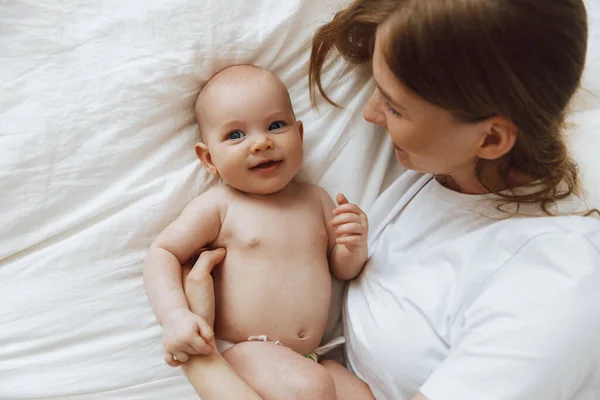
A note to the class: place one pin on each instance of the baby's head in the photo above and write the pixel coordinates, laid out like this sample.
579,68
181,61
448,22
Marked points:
249,133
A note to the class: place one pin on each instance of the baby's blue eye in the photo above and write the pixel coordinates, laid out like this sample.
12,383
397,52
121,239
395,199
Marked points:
276,125
235,135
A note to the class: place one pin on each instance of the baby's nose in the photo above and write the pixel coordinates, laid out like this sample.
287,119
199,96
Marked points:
261,145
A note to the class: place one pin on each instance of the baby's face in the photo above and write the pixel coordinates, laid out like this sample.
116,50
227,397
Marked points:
251,137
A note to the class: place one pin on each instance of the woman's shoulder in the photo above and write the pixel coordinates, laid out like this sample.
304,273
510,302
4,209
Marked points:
539,258
537,313
537,265
547,229
527,260
545,244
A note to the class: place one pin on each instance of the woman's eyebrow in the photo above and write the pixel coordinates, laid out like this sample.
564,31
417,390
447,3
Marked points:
388,97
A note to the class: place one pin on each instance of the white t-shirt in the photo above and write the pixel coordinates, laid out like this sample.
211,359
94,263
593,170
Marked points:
460,303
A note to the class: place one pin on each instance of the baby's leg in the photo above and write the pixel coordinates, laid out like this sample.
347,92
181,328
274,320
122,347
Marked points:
347,385
276,372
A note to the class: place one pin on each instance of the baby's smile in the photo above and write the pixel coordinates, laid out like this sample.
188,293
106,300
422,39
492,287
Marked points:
267,166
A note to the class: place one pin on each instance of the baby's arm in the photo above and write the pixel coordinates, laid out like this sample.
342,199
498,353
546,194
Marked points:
197,226
347,228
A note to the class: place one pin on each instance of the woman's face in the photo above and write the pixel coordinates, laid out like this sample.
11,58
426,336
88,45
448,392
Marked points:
427,138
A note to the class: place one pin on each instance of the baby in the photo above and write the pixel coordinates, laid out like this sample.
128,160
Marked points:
282,237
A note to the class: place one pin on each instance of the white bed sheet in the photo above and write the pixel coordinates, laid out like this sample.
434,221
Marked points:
96,136
585,117
96,157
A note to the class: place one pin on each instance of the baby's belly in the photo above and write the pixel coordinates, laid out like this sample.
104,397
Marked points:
286,299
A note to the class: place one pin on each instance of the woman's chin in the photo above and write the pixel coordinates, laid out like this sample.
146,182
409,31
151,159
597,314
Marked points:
403,158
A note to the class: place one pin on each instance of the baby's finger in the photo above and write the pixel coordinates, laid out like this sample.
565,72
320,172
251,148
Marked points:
171,361
352,240
201,347
341,199
348,208
352,228
181,357
344,219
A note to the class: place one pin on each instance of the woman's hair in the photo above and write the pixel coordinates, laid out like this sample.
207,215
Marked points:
521,59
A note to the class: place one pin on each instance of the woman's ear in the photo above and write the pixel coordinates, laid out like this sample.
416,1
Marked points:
205,158
499,139
300,129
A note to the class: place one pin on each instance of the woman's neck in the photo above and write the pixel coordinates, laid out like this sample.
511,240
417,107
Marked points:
468,182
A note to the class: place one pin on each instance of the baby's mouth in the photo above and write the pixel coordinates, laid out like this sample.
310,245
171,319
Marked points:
267,164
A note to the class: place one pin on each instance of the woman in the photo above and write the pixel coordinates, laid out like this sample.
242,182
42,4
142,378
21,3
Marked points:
484,265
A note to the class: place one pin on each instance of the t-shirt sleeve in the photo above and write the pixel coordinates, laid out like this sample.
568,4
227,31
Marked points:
532,331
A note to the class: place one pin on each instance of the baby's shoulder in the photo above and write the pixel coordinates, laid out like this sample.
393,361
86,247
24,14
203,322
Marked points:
313,190
215,197
316,195
212,193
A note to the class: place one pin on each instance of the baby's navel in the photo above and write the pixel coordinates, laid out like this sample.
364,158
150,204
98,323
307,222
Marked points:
301,334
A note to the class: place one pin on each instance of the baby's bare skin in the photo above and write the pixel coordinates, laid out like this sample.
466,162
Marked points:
275,279
282,238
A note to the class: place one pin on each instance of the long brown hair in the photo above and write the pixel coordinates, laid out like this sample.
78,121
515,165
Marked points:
522,59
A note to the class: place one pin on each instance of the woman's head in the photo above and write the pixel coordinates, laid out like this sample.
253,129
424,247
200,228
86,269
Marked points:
482,83
427,137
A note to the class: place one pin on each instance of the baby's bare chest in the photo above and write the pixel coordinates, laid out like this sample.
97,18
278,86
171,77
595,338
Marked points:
254,226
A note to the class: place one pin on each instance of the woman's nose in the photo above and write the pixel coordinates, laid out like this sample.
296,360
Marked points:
262,144
373,112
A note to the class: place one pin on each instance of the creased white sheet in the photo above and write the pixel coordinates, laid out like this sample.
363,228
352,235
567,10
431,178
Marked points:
96,157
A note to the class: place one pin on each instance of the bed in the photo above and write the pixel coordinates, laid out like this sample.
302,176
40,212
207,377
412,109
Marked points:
96,157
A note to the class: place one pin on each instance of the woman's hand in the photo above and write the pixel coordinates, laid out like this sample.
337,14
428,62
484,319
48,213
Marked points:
199,287
189,332
210,374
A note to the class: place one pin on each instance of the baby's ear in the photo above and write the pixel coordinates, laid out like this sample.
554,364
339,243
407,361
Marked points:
300,129
205,158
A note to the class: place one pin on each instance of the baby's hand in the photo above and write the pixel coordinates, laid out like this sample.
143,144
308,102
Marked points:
185,334
350,224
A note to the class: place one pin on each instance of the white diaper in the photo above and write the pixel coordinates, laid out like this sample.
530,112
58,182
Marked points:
224,345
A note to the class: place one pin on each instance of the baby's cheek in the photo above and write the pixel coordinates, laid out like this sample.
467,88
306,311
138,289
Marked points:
232,176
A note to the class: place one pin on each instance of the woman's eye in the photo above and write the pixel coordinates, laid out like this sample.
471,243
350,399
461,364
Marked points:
235,135
391,109
276,125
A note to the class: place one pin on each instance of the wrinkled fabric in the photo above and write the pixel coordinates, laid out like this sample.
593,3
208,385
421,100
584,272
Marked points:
96,158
